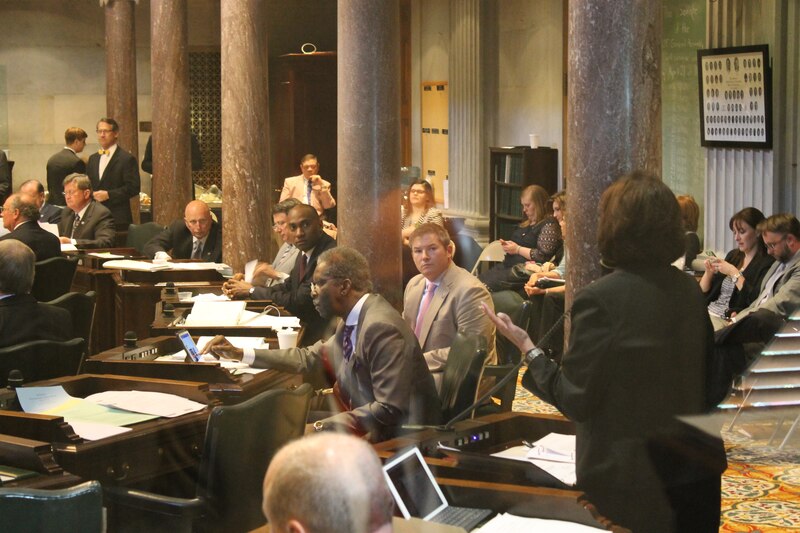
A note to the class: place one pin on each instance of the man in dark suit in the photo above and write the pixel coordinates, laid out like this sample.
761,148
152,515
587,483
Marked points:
197,236
22,318
47,212
5,177
85,222
19,217
382,381
294,293
65,162
114,173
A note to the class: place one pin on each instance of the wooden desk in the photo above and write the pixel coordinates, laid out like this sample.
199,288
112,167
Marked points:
226,387
169,325
36,456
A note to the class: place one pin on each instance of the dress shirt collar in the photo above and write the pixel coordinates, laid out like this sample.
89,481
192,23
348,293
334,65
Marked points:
355,312
83,211
21,223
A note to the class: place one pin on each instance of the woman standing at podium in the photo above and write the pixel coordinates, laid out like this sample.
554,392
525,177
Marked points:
639,341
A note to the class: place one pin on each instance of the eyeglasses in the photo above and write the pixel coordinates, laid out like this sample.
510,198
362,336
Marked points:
417,191
101,132
772,245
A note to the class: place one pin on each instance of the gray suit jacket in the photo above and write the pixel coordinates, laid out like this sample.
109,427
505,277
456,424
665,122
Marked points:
95,230
385,382
786,293
455,306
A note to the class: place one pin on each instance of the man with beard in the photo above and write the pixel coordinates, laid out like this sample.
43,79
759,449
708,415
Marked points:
382,381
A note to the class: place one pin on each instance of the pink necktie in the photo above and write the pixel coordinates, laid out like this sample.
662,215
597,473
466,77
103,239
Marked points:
430,288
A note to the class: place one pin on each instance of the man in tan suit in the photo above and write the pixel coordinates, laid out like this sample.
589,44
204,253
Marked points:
443,299
309,187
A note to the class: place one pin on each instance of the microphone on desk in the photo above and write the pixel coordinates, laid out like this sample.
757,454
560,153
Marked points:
130,339
15,379
8,395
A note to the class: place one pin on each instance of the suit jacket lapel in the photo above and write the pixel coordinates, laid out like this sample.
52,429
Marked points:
439,298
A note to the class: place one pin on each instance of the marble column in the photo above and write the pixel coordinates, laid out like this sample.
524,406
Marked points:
468,186
369,138
172,164
121,90
246,221
614,102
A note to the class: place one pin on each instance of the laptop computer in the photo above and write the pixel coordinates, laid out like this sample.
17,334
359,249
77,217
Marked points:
417,494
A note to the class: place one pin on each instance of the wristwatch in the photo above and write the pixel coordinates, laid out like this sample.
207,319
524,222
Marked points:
736,277
251,291
319,425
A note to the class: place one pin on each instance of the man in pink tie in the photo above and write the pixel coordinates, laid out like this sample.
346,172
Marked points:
443,299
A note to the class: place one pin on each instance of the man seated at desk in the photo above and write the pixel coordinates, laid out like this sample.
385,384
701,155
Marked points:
382,381
294,294
85,222
22,318
20,217
47,212
197,236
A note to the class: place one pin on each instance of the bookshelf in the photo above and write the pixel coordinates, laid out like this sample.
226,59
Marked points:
511,170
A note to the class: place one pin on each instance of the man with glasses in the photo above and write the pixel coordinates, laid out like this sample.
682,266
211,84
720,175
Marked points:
114,173
195,236
309,187
20,214
85,222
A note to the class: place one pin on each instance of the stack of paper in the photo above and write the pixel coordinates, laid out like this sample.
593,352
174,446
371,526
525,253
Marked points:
130,264
507,523
215,313
554,453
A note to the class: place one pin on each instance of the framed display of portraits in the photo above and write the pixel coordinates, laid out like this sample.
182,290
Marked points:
735,97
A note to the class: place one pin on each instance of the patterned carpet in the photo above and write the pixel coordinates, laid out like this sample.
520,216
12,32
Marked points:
761,488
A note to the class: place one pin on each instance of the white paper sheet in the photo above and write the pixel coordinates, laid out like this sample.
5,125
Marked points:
68,247
50,228
152,403
215,313
554,447
506,523
130,264
106,255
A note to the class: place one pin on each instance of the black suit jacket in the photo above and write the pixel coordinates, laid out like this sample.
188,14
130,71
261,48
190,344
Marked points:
120,180
177,241
43,243
50,213
294,293
95,230
5,178
59,166
23,319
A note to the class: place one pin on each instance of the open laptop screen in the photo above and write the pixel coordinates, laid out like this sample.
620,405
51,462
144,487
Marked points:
412,484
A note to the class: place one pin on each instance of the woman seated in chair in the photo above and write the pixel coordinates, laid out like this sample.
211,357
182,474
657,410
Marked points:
537,238
419,208
731,284
690,214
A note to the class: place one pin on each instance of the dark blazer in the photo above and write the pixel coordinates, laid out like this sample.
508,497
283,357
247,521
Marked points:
294,293
59,166
43,243
23,319
95,230
639,347
50,213
177,241
753,275
386,380
5,178
121,181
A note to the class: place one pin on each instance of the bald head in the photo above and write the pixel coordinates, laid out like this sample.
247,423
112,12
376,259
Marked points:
35,190
197,217
327,482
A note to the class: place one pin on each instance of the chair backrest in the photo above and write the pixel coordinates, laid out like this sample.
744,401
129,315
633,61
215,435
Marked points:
518,309
53,277
81,308
139,234
240,442
462,373
467,251
493,253
39,360
78,508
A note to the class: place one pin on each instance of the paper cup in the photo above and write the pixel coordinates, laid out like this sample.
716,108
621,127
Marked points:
287,338
534,140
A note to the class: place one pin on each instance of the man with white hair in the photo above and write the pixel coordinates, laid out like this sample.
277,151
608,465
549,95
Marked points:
327,482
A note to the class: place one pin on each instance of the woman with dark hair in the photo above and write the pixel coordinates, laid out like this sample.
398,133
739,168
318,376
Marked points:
639,344
690,214
537,238
731,284
419,208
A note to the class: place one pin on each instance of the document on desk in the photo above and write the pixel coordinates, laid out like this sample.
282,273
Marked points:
507,523
215,313
68,247
106,255
152,403
559,450
130,264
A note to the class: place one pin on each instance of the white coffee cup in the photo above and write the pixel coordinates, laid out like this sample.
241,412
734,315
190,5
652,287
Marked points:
534,140
287,338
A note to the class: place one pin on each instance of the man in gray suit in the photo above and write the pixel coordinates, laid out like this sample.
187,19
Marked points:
443,299
382,381
65,162
85,222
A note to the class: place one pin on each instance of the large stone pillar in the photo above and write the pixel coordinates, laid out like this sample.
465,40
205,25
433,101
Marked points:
172,164
246,222
614,103
121,90
468,185
369,138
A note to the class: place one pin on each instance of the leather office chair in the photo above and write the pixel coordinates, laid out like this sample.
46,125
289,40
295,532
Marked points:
78,508
240,442
462,373
139,234
81,308
53,277
39,360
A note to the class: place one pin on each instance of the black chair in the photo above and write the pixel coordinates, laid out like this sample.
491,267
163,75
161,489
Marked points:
81,308
139,234
467,251
53,277
462,373
240,442
78,508
39,360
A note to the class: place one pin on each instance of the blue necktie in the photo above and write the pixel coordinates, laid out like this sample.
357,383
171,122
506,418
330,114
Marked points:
347,342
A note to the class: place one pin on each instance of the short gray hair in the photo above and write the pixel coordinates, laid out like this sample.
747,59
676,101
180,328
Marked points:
26,205
347,263
82,181
16,267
